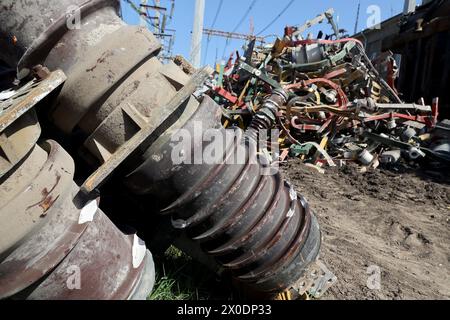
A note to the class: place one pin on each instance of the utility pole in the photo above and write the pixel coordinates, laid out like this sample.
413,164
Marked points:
197,32
410,6
158,17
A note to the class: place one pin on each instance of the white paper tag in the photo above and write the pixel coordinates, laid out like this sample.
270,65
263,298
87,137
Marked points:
88,212
139,250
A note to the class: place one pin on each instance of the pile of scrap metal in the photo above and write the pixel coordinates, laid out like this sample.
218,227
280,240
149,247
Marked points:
342,107
419,38
116,114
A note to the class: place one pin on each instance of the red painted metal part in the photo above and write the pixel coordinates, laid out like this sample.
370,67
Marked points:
304,127
228,96
335,73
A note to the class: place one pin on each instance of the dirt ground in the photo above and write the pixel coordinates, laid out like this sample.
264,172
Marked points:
398,221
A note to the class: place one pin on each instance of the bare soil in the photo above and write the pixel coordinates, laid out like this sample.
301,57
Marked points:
398,221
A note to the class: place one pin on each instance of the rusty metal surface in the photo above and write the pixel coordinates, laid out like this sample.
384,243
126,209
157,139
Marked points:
43,251
47,229
22,211
99,70
44,226
19,126
146,130
24,98
103,256
254,225
37,34
116,85
17,140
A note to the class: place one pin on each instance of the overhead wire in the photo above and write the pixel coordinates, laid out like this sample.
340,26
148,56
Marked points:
250,7
247,12
277,17
138,11
212,27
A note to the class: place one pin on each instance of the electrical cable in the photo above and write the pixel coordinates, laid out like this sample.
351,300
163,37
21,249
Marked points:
138,11
277,17
212,27
247,12
250,7
217,14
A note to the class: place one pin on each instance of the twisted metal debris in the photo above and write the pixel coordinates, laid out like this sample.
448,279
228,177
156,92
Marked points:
342,107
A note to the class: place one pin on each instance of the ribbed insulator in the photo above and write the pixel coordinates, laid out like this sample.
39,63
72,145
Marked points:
254,224
265,118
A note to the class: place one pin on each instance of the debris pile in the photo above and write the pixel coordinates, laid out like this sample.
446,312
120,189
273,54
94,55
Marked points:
342,107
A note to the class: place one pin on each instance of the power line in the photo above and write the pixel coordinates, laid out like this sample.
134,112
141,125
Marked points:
357,17
247,12
167,39
139,12
217,14
277,17
227,42
232,35
212,27
250,7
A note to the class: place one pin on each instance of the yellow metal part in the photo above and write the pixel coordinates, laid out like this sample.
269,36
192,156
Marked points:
278,47
323,145
376,91
289,295
284,296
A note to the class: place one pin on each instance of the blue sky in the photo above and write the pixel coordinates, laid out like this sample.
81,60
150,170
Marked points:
262,13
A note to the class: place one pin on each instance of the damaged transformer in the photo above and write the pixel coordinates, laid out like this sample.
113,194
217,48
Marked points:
118,110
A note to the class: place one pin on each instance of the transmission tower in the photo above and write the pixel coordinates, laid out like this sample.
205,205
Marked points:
157,17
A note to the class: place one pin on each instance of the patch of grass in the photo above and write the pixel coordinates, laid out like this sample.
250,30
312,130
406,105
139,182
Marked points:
167,286
178,277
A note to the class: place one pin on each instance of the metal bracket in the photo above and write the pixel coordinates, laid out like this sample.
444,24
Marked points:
259,74
19,125
15,103
316,281
103,172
